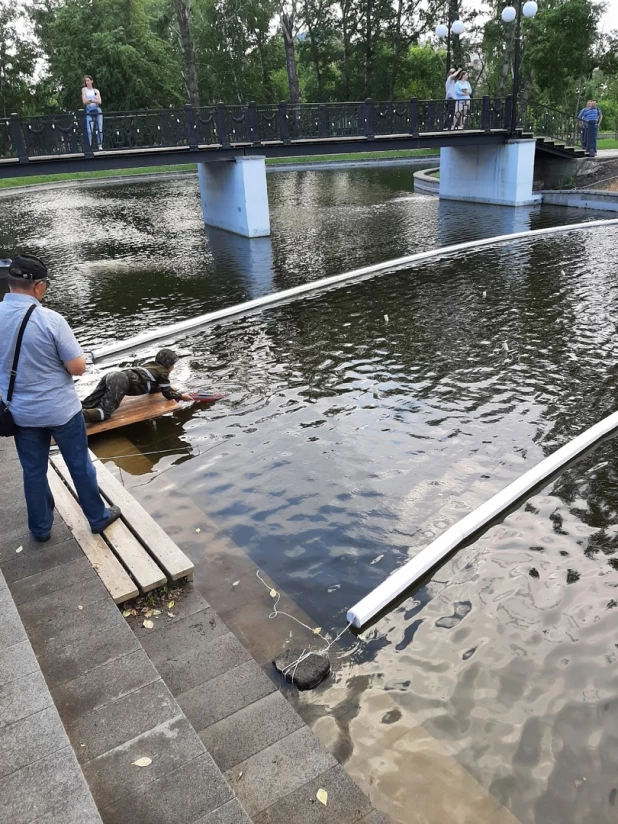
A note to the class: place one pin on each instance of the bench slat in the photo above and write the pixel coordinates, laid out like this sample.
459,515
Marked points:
170,557
132,554
110,570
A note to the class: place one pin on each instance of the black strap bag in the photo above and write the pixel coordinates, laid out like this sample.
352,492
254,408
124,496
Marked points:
7,424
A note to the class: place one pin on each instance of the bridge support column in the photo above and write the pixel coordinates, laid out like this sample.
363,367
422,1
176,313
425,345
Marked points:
501,174
234,195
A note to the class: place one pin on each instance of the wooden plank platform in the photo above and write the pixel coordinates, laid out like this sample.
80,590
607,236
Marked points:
133,410
110,570
158,543
127,548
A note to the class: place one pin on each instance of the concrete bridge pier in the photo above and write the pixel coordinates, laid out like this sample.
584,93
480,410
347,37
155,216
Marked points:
502,174
234,195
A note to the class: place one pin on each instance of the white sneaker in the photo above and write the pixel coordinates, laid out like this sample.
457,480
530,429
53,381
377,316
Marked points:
100,147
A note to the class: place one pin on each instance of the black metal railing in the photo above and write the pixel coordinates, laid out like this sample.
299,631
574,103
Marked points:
251,124
543,121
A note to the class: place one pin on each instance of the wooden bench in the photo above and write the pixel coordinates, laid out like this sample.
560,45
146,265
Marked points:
134,553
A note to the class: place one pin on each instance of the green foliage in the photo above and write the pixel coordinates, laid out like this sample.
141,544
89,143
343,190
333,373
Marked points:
112,40
344,50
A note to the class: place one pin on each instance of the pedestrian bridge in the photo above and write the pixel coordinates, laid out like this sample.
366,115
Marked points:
490,152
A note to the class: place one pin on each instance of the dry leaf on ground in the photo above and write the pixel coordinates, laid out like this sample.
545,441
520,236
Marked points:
148,624
322,797
143,762
19,549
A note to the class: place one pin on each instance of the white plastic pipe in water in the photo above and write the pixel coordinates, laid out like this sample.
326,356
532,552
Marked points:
265,302
429,557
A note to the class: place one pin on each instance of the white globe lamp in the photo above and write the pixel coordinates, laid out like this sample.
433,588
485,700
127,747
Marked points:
509,14
458,27
530,8
441,30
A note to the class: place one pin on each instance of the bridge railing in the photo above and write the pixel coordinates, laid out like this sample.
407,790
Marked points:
543,121
68,133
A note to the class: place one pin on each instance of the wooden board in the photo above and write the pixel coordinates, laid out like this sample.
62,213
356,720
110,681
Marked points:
161,547
133,410
128,549
110,570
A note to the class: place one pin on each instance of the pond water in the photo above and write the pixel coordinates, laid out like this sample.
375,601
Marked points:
359,424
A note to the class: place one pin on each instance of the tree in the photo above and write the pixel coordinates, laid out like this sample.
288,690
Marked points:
112,40
18,58
183,14
287,16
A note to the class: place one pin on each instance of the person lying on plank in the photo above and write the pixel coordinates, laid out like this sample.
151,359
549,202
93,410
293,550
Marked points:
148,379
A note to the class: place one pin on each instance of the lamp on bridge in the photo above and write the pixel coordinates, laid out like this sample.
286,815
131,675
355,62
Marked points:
445,30
509,14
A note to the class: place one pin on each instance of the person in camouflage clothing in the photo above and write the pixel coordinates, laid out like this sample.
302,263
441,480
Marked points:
140,380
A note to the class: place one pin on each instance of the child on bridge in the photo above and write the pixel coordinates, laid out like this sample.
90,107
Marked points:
140,380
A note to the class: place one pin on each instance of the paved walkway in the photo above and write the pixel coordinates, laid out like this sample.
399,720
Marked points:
225,747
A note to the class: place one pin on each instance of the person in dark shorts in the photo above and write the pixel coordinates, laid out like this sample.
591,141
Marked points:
148,379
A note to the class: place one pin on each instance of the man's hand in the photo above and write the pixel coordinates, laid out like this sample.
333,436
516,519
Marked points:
186,397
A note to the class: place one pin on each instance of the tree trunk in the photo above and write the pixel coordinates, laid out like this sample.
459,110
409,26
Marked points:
183,13
287,28
315,55
396,41
346,47
368,53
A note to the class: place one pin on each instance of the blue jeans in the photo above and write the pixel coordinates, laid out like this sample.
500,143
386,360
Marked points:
591,137
33,444
94,116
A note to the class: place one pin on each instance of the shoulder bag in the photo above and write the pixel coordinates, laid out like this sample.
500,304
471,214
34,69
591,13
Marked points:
7,424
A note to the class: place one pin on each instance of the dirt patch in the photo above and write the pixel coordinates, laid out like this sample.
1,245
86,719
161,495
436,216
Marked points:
597,174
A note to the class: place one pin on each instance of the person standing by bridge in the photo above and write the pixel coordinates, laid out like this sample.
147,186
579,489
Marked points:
590,118
449,88
91,98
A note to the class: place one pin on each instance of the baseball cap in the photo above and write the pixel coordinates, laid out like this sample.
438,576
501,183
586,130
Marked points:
28,267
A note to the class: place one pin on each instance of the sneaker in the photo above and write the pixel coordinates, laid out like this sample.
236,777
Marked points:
100,147
114,514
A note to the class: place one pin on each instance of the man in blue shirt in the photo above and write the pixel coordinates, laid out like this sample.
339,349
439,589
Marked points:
45,403
590,118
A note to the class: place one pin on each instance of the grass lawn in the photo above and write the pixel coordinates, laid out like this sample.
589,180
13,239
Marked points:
607,143
10,183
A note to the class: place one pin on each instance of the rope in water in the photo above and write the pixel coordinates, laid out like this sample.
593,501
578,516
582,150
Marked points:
315,630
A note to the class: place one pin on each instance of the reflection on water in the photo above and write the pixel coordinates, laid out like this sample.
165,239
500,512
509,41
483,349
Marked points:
135,256
360,424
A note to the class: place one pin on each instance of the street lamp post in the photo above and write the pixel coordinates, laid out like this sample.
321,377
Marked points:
447,30
509,14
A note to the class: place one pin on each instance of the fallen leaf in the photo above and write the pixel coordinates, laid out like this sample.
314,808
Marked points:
143,762
317,630
133,612
198,530
235,584
273,593
239,776
322,797
19,549
156,612
127,612
172,614
148,613
375,560
386,318
171,605
148,624
80,607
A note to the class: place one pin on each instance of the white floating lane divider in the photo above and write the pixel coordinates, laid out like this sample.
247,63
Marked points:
287,295
437,550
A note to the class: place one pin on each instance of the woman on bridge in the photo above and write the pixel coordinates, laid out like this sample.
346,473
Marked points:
463,91
91,98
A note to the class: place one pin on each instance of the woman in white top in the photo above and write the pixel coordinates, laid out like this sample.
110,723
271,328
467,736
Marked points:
463,90
91,98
